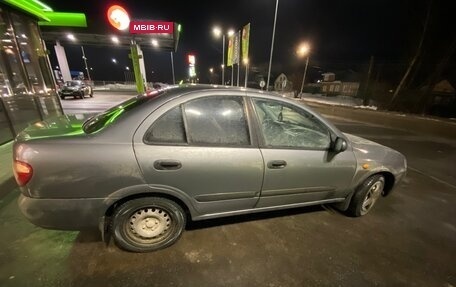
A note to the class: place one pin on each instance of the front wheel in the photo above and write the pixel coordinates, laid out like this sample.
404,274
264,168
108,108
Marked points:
366,196
147,224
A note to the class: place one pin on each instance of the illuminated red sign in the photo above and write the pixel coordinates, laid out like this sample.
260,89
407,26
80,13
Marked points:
151,27
118,17
191,59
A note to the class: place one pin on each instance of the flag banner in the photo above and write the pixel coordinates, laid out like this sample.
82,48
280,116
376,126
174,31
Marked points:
229,58
245,43
237,48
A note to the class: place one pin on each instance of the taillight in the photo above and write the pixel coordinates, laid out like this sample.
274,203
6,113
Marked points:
22,172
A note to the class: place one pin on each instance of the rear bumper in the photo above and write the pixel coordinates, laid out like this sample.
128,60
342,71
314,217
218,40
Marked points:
63,214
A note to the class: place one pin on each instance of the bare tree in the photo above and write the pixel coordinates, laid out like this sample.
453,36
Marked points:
436,76
415,57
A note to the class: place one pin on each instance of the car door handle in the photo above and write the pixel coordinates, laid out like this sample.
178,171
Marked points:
167,164
276,164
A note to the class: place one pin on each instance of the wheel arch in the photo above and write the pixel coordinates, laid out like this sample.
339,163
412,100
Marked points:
119,202
389,185
390,180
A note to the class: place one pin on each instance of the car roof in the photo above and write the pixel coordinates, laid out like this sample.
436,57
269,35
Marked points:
177,90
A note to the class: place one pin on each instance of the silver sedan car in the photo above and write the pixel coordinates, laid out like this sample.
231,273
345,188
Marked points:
141,169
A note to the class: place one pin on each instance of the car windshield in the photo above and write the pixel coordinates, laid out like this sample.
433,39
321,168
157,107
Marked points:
109,116
72,83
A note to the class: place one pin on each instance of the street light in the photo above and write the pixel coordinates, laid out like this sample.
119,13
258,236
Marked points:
127,68
217,31
71,37
211,70
115,39
303,50
154,43
114,60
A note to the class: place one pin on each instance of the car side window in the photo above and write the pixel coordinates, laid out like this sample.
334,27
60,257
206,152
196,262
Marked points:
169,128
217,120
285,125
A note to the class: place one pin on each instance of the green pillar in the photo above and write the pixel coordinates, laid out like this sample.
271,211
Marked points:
134,56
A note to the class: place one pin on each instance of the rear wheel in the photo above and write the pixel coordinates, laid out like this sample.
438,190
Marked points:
147,224
366,196
62,97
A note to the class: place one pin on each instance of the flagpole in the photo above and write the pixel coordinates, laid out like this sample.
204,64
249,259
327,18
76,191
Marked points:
245,51
239,55
238,74
223,60
272,44
246,73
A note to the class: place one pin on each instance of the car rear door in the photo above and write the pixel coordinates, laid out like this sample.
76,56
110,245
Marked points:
202,147
298,164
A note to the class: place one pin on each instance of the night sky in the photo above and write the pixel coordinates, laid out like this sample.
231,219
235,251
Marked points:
342,34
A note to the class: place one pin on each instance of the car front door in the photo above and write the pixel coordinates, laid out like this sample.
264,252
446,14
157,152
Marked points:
202,148
299,166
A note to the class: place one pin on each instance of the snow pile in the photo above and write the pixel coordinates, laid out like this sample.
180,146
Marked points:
115,87
374,108
345,101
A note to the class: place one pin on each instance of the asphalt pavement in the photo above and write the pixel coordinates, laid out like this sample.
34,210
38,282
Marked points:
101,101
409,238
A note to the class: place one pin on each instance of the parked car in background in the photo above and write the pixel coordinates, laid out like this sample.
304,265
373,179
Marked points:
193,152
76,89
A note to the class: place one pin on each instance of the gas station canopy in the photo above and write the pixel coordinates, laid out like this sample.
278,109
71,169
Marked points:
47,16
161,42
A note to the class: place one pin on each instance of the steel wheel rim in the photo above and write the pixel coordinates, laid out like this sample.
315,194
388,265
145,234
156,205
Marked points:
149,225
371,197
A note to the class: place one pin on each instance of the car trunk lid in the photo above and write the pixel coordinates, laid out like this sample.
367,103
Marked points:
66,125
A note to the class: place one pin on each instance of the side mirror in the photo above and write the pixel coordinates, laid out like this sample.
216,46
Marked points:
339,145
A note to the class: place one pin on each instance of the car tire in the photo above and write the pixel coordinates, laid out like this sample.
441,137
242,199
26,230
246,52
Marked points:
147,224
366,195
62,97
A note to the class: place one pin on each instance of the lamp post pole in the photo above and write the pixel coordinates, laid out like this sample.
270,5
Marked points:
85,62
172,68
272,44
304,76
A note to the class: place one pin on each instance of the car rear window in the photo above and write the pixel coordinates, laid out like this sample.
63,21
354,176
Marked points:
72,83
111,115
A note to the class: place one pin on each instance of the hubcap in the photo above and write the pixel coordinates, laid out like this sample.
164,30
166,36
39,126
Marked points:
149,223
371,197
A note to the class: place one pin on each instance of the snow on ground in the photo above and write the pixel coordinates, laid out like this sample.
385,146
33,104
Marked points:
337,101
119,87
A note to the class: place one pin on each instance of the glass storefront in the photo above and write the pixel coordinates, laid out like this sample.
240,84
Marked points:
27,87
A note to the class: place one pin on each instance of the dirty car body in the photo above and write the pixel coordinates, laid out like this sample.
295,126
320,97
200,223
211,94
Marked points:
195,152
